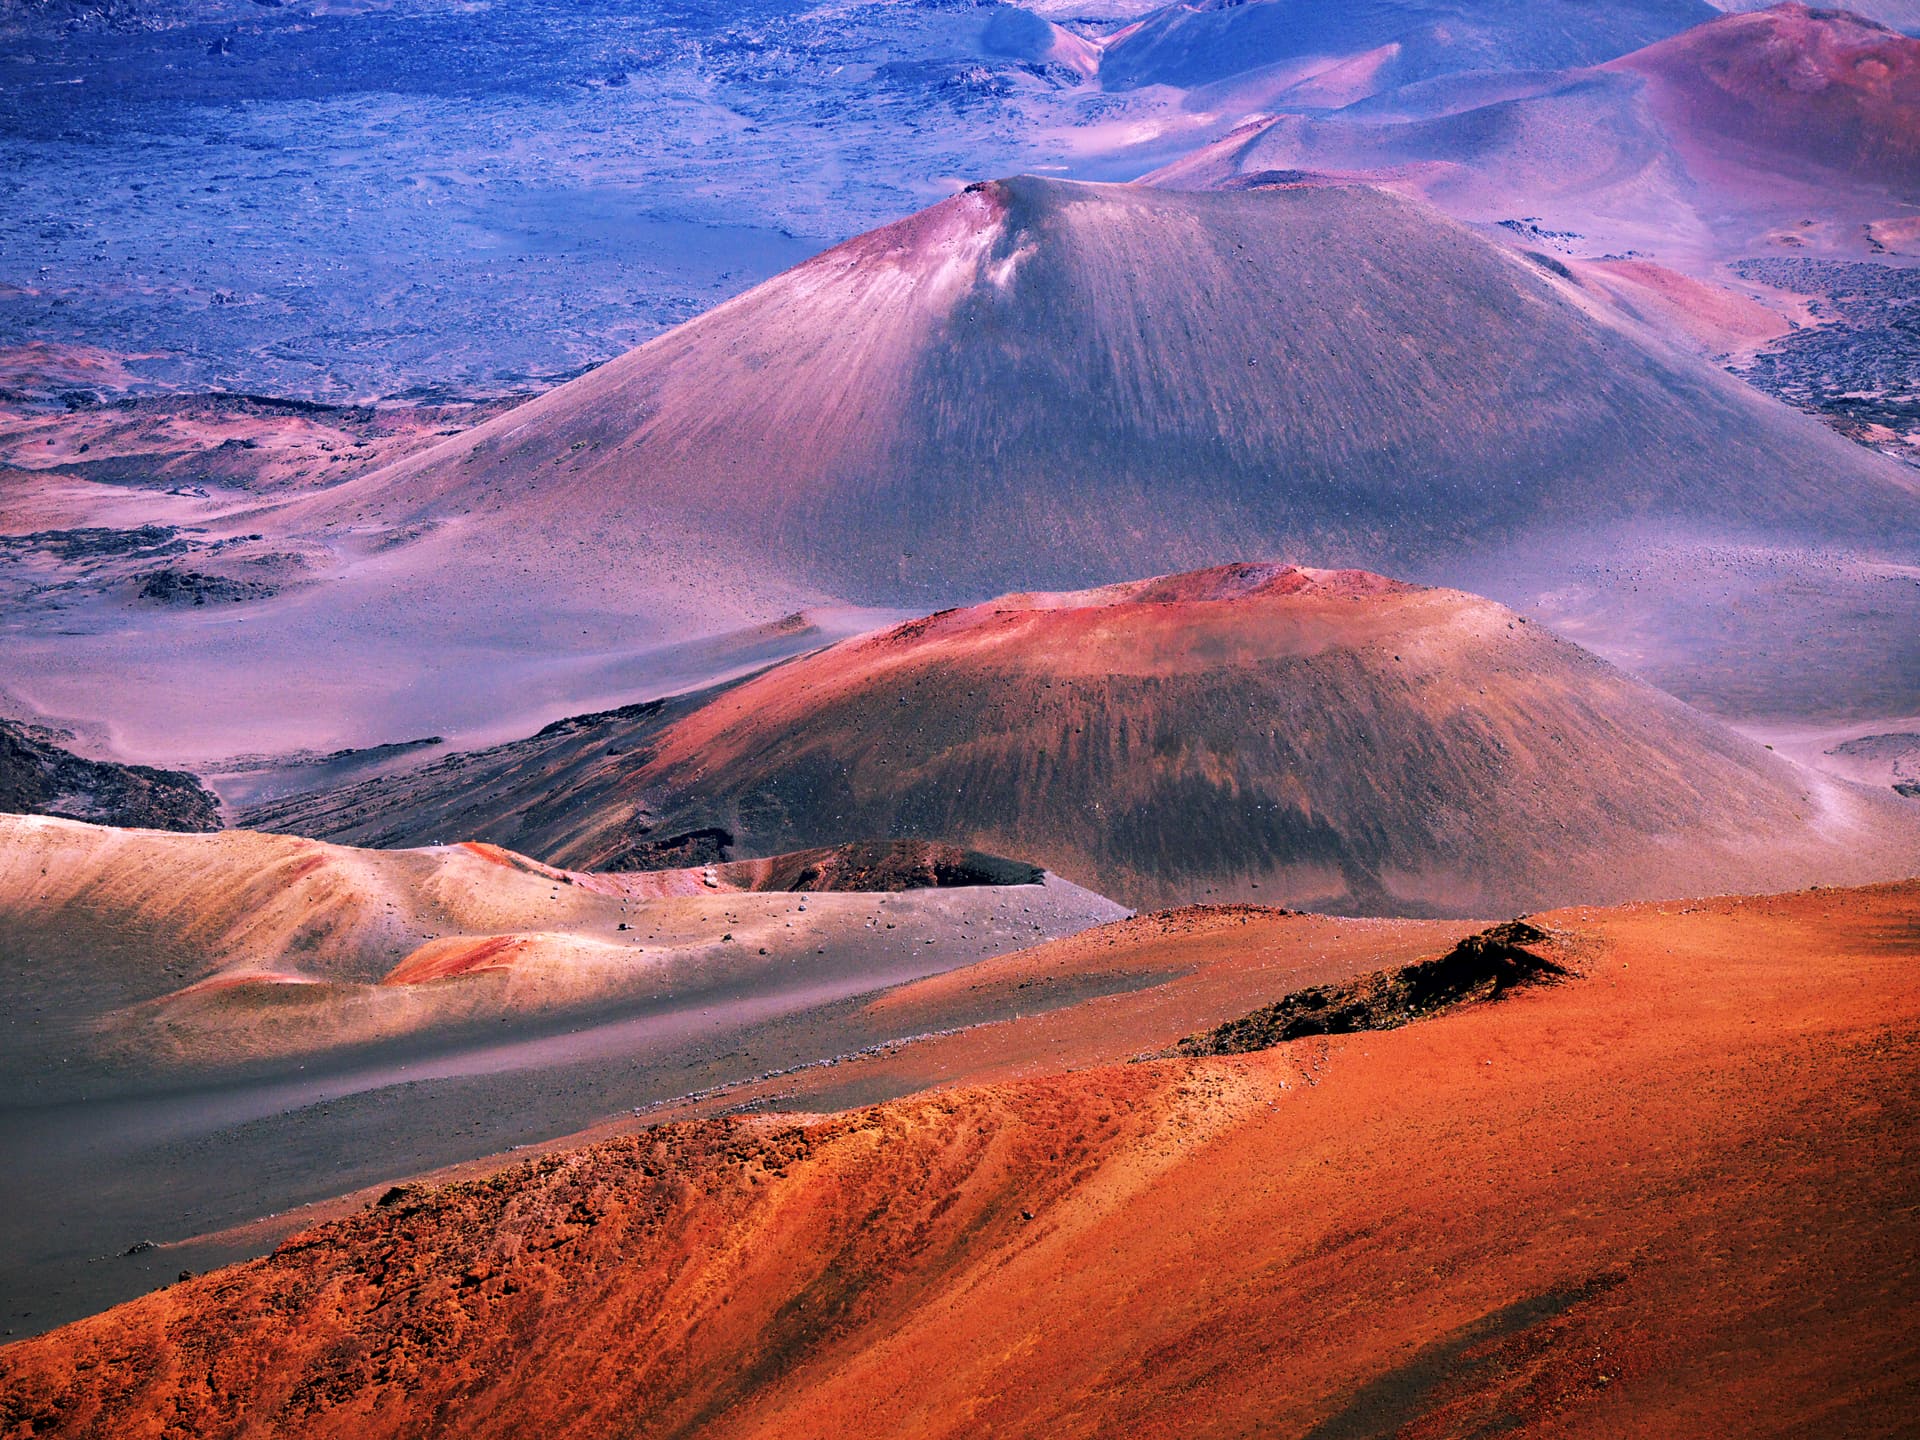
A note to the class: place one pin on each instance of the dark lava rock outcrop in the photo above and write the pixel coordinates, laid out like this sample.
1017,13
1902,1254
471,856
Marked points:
38,777
1481,967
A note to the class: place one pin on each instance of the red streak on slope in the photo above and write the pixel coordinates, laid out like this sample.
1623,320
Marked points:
445,959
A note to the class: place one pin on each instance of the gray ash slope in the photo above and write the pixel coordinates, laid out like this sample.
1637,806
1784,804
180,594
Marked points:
495,794
1045,383
1134,379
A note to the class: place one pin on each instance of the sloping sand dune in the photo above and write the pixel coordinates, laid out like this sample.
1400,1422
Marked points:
133,955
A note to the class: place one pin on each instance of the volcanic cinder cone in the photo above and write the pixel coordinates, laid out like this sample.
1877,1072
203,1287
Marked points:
1328,739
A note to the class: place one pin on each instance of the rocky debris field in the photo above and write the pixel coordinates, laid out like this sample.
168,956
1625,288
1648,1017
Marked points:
334,202
55,569
1859,369
38,776
1480,968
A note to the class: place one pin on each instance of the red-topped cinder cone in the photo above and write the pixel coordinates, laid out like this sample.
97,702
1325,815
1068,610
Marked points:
1331,739
1813,90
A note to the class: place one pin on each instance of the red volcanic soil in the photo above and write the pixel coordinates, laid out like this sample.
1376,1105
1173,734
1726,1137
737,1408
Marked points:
1819,87
184,1009
1667,1196
1715,319
1104,996
444,959
1328,739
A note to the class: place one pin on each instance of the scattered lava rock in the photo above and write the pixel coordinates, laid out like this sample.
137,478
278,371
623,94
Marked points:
38,777
1548,263
705,846
886,865
572,723
1481,967
100,542
191,587
1859,369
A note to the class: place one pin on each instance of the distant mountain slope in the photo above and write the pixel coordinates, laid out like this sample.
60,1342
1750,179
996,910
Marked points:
1801,87
1702,145
1902,15
1041,383
1196,44
1331,740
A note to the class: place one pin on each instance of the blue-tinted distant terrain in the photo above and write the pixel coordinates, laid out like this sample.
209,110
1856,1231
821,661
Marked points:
339,201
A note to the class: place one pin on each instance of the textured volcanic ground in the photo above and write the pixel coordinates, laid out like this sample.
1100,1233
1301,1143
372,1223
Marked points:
40,777
248,441
1032,383
1328,739
1668,1194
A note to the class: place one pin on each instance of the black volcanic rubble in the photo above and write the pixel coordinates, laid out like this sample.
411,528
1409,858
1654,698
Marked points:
39,777
1481,967
191,587
1858,370
99,542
